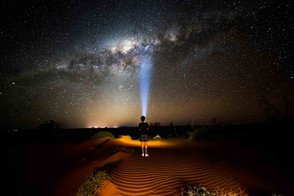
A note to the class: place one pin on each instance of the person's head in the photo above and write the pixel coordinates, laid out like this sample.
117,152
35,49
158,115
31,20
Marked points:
142,118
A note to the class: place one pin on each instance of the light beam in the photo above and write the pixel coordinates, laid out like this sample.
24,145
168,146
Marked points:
145,78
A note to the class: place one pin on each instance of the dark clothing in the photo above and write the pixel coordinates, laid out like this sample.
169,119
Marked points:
143,128
144,138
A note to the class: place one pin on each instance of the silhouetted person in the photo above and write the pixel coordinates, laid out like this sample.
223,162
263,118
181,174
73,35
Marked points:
143,128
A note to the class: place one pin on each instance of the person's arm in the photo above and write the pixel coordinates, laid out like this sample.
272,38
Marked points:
139,126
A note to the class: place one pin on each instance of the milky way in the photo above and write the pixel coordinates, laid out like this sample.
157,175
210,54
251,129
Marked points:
79,62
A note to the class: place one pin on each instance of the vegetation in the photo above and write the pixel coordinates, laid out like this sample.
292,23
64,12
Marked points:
202,191
93,184
157,137
49,125
202,133
102,134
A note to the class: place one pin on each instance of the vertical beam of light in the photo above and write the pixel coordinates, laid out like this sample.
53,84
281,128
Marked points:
144,79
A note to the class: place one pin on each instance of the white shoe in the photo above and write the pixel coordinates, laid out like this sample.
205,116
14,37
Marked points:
143,155
146,155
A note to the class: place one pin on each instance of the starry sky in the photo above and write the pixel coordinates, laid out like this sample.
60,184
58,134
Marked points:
77,62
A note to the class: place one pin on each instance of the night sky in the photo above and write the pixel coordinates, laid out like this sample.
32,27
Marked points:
77,62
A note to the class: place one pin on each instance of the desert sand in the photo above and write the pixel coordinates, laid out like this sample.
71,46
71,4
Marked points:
172,164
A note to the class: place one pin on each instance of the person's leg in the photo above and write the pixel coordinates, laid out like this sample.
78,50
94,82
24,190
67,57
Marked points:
142,147
146,153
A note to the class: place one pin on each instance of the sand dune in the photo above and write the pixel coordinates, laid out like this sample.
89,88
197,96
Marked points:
165,172
93,154
169,168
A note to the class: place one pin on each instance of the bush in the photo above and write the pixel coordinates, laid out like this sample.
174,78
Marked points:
93,184
102,134
157,137
195,191
202,133
199,190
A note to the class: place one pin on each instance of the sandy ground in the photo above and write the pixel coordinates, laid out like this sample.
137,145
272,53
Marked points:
60,169
172,164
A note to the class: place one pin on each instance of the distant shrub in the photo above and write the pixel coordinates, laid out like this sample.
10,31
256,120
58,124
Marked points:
49,125
102,134
170,136
157,137
93,184
202,133
125,136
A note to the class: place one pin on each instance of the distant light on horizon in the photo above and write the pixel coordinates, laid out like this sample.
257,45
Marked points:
102,126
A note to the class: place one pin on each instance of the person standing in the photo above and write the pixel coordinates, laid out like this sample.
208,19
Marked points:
143,128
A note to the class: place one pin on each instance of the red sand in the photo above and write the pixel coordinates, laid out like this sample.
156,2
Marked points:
167,170
172,164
